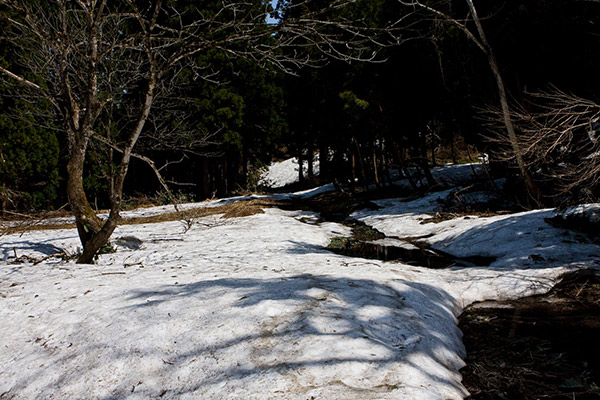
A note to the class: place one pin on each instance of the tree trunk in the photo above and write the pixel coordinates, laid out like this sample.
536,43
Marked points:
310,160
403,167
427,171
453,148
386,166
300,167
245,178
86,219
424,162
375,171
353,169
205,177
324,173
225,176
93,233
361,164
433,159
530,185
3,199
99,239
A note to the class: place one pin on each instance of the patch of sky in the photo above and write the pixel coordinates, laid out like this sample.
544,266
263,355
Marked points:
270,17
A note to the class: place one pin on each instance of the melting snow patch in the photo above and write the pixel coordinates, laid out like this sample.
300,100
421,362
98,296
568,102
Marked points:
256,308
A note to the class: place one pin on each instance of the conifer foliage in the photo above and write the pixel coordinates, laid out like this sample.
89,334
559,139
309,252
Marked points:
107,67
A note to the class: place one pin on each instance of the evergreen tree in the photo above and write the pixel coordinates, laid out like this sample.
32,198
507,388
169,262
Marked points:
29,152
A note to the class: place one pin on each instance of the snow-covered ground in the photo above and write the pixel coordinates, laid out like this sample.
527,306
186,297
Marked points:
255,308
283,173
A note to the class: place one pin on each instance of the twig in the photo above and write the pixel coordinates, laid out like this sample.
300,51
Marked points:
50,256
44,217
581,289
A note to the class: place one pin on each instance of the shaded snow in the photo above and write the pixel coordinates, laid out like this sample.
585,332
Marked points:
583,216
255,308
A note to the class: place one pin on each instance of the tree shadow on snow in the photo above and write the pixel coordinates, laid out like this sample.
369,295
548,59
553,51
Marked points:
42,247
293,323
314,330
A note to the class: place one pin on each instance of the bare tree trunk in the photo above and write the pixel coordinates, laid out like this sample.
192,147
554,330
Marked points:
205,177
310,159
375,171
86,219
3,199
353,168
427,171
424,162
361,163
323,162
93,233
300,166
433,159
453,148
244,171
403,168
531,186
3,194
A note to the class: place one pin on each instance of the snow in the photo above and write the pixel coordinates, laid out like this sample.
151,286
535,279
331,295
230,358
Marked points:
144,212
583,214
256,308
283,173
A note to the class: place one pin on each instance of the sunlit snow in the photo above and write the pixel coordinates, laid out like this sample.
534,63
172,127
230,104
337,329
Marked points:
256,308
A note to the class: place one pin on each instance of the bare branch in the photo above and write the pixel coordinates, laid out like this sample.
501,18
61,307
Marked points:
28,84
150,163
111,63
560,137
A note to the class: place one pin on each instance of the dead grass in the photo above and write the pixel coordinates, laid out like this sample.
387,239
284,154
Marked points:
32,226
447,216
542,347
238,209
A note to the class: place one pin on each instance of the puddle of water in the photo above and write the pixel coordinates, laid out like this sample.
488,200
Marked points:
389,249
367,242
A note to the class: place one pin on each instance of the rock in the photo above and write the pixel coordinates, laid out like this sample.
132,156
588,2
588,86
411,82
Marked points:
130,242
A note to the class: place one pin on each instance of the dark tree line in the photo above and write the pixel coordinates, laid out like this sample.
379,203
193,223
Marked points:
427,100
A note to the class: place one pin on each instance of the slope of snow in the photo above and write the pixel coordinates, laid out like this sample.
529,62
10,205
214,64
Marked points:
255,308
283,173
522,246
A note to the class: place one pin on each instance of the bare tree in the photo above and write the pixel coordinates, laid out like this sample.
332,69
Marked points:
478,37
559,134
103,66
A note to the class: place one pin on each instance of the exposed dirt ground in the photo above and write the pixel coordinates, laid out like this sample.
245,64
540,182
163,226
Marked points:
539,347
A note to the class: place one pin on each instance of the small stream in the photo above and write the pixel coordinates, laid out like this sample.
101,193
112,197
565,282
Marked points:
367,242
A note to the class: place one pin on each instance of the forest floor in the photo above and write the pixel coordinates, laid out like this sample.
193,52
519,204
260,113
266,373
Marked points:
537,347
310,295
